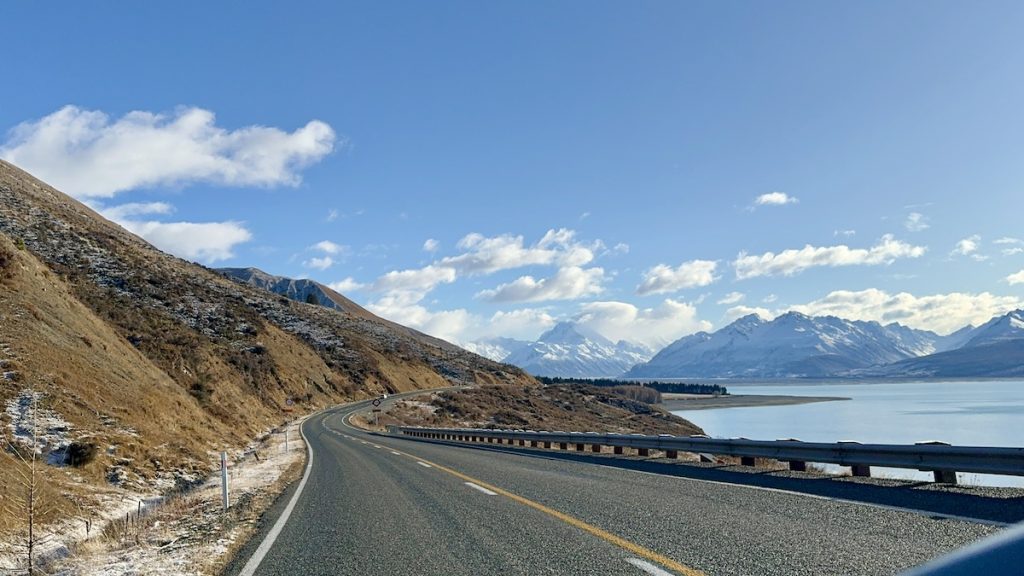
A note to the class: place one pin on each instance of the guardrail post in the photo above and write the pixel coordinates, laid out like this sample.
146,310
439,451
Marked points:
945,476
522,442
643,452
861,470
563,445
595,448
673,454
534,444
617,450
546,444
579,447
798,466
747,461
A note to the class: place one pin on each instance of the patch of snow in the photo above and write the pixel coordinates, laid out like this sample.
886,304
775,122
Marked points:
38,429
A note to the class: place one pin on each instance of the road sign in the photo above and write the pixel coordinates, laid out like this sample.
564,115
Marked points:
376,401
289,402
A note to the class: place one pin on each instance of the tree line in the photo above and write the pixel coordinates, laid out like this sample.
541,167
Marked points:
663,387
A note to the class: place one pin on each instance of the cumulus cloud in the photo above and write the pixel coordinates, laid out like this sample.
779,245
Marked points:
794,261
445,324
320,263
568,283
347,285
416,279
431,245
662,278
524,324
88,154
654,327
207,242
916,222
1016,278
774,199
967,245
328,247
942,313
486,255
732,298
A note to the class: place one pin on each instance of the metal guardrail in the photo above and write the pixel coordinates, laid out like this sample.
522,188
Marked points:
941,459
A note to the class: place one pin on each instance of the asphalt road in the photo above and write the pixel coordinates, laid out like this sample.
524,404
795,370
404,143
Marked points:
374,504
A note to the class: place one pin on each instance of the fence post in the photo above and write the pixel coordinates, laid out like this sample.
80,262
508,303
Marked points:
224,479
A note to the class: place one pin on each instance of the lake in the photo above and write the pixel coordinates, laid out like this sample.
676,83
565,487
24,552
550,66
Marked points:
985,413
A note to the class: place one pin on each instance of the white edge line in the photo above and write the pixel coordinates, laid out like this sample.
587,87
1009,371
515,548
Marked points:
396,453
257,557
481,488
648,567
424,464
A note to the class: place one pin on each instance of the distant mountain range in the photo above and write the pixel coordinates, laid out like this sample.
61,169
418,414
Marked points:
792,345
795,345
567,350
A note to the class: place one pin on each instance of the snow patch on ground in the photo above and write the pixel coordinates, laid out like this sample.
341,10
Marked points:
28,420
191,534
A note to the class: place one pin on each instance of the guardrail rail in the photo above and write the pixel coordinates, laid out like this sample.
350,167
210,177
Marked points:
942,459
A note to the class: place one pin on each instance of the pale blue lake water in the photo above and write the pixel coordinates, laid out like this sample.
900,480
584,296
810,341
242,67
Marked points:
982,413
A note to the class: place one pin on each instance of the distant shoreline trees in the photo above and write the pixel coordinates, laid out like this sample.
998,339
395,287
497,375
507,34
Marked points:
663,387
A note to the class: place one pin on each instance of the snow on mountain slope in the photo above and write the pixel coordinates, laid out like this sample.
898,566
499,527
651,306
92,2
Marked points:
570,350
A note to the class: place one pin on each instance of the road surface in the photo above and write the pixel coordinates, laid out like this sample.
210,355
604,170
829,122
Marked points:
373,504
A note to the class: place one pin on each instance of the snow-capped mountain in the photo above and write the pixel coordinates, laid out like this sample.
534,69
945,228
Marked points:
570,350
496,349
792,345
994,349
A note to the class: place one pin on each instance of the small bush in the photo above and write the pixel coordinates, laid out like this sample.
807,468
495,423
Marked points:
81,453
638,393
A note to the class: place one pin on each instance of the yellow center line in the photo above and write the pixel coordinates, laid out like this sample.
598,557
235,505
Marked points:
576,522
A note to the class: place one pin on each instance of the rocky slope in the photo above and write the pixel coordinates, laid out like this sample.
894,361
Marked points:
156,363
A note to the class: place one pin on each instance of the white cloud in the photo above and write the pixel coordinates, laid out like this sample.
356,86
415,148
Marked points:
485,255
790,262
1014,246
431,245
620,248
332,215
126,211
770,299
775,199
347,285
1017,278
654,327
319,263
524,324
846,233
732,298
416,280
207,242
967,246
737,312
87,154
662,278
916,222
585,215
1008,240
1013,251
446,324
568,283
942,313
328,247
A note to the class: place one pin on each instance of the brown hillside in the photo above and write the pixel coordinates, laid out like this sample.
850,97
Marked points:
166,360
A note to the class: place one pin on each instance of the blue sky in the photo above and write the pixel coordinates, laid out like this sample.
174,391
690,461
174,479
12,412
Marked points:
480,169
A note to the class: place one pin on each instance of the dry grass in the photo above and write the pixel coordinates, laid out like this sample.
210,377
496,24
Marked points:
566,408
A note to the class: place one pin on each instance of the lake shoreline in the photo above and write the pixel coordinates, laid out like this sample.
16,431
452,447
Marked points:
681,402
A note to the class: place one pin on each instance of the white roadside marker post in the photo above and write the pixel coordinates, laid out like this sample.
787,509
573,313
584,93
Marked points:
285,437
224,479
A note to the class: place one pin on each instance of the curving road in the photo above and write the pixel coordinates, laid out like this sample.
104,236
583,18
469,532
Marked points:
374,504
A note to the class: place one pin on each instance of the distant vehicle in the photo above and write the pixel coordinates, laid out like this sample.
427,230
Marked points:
383,396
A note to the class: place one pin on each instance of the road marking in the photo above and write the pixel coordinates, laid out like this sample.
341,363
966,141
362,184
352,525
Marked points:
396,453
424,464
377,446
254,561
648,567
575,522
481,488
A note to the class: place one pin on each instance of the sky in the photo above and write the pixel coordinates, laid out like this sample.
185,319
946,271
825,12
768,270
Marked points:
475,170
